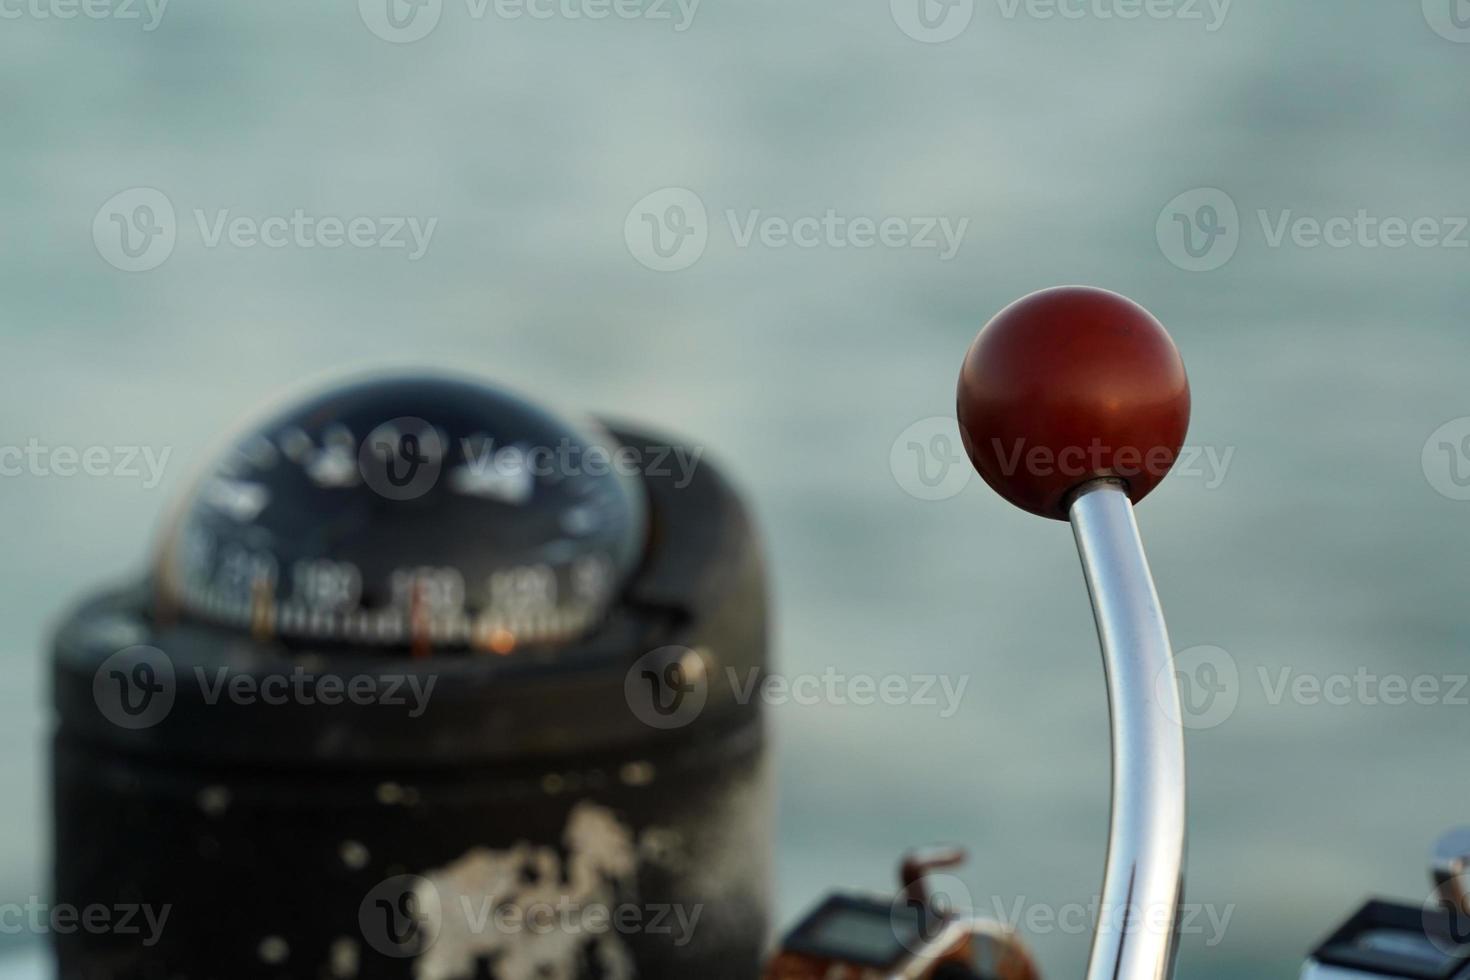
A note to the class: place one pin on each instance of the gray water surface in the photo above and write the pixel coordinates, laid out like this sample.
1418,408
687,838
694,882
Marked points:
1323,549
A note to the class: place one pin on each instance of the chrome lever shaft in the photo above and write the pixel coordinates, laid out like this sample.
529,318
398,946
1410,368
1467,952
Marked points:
1143,882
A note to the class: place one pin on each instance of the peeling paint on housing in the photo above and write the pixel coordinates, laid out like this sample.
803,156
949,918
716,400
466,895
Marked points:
600,865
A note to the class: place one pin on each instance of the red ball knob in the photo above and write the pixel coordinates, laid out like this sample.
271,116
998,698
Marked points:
1070,385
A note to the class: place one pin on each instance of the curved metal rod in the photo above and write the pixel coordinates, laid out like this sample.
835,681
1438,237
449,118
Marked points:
1143,883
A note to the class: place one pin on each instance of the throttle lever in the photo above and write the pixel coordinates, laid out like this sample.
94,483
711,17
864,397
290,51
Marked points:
1073,404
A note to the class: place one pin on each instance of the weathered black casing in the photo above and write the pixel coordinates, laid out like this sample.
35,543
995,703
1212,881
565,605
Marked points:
274,834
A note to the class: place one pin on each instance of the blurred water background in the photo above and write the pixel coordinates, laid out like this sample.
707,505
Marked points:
1324,547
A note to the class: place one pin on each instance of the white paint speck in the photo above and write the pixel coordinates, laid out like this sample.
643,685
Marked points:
354,854
638,773
214,800
344,957
274,950
600,863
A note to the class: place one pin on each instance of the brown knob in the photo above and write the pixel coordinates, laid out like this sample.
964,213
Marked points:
1067,386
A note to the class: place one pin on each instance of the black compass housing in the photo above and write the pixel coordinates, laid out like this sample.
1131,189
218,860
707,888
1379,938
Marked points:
408,631
403,510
